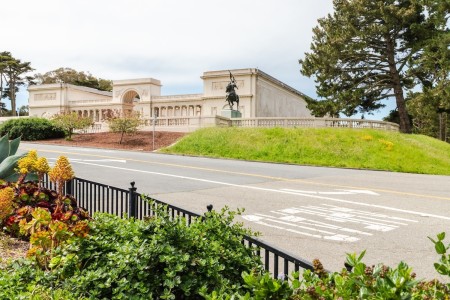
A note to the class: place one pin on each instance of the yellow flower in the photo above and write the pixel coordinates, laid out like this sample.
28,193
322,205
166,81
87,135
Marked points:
26,164
41,165
32,252
6,200
32,154
389,145
62,171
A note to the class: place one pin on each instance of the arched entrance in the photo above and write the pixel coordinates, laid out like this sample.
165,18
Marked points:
129,101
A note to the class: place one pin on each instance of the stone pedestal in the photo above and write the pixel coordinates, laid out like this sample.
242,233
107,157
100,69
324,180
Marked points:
230,114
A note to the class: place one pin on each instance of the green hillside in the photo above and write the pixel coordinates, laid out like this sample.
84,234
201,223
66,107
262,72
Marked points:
347,148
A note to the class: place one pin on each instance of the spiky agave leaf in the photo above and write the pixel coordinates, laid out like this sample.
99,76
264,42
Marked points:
14,145
8,165
4,147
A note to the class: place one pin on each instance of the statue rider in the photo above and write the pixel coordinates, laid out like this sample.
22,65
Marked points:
231,93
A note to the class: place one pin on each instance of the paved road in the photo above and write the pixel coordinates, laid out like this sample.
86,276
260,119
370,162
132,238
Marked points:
311,212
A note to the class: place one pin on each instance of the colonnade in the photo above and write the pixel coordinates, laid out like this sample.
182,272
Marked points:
99,115
178,111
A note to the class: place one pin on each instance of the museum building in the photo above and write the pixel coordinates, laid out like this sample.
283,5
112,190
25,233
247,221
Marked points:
261,95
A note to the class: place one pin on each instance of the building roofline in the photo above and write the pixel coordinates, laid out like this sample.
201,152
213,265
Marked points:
286,86
52,86
254,71
137,81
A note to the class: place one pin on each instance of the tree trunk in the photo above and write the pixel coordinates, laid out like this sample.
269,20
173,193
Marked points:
1,94
443,126
12,95
405,124
121,137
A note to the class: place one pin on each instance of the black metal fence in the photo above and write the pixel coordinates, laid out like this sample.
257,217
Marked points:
97,197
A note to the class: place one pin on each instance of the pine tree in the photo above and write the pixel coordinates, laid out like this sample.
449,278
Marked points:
363,52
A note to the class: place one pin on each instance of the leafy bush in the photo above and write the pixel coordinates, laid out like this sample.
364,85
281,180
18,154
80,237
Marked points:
159,257
360,282
128,123
71,121
31,129
443,266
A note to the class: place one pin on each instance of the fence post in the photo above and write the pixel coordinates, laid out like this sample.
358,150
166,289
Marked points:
132,201
209,208
69,187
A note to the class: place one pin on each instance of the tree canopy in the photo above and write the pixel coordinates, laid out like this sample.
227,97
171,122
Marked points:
12,75
71,76
128,122
366,51
70,121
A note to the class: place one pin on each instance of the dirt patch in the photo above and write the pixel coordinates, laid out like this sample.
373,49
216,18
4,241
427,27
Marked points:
139,141
11,249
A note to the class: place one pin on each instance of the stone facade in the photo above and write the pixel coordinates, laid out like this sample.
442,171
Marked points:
260,94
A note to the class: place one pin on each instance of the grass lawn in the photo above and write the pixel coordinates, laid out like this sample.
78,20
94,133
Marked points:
345,148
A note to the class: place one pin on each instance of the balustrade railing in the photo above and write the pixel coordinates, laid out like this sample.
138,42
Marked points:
314,123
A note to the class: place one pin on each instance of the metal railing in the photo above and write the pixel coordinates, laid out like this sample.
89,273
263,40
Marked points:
98,197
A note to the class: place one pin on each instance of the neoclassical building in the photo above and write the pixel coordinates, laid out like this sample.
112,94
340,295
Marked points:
261,95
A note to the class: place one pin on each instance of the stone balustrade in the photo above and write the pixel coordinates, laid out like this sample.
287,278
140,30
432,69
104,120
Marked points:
314,123
187,124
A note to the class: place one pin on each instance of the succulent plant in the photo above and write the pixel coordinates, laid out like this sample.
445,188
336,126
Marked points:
9,158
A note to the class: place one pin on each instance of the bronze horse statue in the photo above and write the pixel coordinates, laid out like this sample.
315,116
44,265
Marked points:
232,97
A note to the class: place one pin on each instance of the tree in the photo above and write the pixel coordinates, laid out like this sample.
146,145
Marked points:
127,123
12,72
5,59
3,110
71,121
24,110
362,53
71,76
430,108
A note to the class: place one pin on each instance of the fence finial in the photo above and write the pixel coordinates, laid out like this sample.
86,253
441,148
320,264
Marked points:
132,199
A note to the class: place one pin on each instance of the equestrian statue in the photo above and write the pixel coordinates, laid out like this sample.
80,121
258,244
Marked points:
232,97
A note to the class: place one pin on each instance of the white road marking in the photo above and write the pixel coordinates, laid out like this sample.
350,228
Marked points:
300,220
423,214
326,235
292,220
94,160
339,192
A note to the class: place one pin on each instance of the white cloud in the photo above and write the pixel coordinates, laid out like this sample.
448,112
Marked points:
174,41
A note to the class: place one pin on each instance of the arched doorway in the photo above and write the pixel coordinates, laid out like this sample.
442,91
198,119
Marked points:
129,101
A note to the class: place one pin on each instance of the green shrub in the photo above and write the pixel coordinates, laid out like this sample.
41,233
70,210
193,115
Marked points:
71,121
31,129
361,282
122,124
443,266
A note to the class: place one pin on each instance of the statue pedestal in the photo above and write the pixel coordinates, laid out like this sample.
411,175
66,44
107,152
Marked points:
230,114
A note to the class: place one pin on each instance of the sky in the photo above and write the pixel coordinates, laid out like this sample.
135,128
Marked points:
174,41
